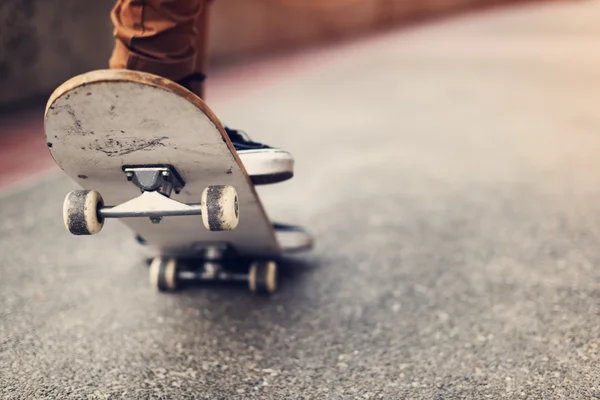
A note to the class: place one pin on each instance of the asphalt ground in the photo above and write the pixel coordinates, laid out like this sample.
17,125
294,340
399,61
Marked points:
450,175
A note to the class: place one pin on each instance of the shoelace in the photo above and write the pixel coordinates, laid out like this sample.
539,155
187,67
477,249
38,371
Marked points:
241,143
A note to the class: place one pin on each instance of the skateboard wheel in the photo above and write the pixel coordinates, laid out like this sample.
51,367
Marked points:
220,208
80,212
262,277
163,274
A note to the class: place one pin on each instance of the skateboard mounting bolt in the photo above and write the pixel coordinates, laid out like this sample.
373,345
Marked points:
165,173
129,176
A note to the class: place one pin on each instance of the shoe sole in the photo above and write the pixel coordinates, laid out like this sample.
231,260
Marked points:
267,167
270,179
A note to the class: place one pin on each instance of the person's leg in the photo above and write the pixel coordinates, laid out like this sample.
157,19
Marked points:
169,38
156,36
195,82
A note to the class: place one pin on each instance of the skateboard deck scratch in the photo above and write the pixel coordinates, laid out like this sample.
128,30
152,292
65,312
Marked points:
99,122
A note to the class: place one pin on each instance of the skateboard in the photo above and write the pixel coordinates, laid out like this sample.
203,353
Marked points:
150,153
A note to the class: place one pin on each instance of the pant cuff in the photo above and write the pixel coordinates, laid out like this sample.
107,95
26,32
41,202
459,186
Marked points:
124,58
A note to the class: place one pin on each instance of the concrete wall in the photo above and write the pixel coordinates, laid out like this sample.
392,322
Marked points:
248,26
44,42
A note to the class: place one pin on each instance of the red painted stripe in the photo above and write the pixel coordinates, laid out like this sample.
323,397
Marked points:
23,151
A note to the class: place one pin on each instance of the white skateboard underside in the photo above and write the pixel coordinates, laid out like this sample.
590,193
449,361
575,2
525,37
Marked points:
99,122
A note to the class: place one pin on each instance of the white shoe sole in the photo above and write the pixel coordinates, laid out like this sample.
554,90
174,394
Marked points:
267,166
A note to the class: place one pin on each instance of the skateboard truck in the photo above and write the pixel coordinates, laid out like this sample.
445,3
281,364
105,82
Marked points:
169,274
164,180
150,204
84,211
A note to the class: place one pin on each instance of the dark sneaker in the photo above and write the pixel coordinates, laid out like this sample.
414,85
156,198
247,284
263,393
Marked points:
265,164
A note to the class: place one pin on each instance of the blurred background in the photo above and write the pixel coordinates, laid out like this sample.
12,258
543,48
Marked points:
43,43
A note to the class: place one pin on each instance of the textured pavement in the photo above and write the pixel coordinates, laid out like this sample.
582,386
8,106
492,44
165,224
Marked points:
450,175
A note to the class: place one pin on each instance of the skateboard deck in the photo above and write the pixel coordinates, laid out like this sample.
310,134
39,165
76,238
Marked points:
152,154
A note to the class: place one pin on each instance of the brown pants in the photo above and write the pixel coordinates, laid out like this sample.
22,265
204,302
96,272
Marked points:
163,37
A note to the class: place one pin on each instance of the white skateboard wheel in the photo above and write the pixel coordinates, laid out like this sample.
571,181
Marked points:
220,208
163,274
262,277
80,212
